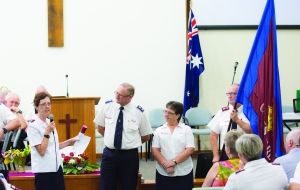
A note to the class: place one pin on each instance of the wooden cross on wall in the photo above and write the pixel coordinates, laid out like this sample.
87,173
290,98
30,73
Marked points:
55,23
68,122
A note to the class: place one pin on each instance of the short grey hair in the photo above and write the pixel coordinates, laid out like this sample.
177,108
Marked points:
294,135
250,146
129,87
12,95
230,139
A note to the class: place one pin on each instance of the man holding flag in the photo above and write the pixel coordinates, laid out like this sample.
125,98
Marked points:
194,65
260,87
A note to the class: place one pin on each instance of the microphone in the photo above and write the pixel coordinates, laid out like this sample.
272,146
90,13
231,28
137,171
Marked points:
235,65
67,80
51,118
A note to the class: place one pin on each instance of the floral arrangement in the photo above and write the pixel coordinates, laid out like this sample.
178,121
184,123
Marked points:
78,164
16,156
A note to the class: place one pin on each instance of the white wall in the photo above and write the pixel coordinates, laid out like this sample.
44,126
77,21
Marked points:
237,12
108,42
222,48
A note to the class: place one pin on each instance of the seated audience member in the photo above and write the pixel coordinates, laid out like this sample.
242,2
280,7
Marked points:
3,92
218,174
295,181
292,147
12,101
172,147
219,123
257,173
8,122
4,185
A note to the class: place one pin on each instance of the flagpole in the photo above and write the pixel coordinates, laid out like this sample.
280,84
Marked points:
223,154
234,71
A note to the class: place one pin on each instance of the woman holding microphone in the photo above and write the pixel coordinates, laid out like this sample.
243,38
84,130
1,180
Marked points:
46,160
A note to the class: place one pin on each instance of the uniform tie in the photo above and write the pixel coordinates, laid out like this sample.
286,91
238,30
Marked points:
234,125
119,130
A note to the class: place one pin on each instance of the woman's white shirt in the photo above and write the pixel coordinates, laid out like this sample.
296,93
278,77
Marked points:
52,159
172,144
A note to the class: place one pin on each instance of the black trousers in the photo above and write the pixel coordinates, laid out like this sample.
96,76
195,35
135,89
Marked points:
174,183
119,168
50,180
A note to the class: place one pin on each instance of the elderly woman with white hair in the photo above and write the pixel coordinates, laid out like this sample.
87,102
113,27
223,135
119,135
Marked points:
257,172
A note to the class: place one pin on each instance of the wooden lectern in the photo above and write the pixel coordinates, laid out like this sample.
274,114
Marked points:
69,116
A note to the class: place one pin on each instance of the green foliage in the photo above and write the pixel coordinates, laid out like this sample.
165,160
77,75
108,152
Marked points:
16,156
78,164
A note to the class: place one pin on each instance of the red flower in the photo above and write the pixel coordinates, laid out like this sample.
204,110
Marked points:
71,154
67,158
78,160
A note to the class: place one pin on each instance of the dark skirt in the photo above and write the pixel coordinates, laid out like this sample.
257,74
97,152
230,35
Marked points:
174,183
50,180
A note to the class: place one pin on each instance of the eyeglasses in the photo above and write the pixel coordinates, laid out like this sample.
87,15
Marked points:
45,104
169,112
231,93
121,95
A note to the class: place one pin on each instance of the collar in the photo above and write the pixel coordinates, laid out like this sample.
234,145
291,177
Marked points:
180,125
126,107
239,109
296,149
254,163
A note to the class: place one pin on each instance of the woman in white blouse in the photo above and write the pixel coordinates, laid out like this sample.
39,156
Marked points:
46,160
172,147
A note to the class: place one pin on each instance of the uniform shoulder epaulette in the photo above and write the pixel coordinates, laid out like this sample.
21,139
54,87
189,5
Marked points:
276,164
225,108
239,171
140,108
108,101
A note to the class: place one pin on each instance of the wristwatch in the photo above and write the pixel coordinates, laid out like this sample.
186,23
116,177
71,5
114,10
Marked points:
4,130
47,136
174,161
20,112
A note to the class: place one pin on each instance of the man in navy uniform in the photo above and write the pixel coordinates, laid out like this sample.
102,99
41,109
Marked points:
124,127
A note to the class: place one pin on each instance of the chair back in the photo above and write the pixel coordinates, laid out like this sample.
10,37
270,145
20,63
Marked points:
16,137
287,109
156,117
7,141
197,117
296,105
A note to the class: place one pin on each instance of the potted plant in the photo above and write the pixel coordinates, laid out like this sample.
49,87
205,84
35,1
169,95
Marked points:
17,157
73,164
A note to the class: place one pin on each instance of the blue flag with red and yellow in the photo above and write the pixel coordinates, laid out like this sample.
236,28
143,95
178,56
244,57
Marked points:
194,66
259,90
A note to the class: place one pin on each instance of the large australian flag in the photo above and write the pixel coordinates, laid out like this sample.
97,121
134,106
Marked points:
259,90
194,65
